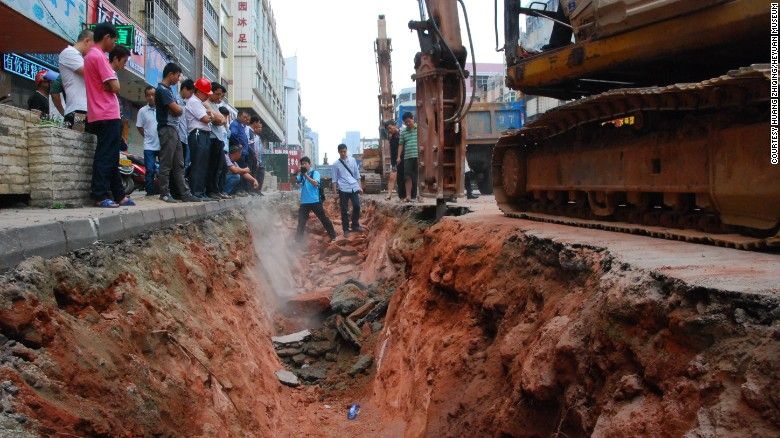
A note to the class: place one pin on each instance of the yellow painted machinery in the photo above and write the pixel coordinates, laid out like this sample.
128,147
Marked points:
667,132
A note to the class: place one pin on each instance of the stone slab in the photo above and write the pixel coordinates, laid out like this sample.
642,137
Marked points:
10,248
167,216
292,337
133,223
80,233
111,228
45,240
287,378
152,219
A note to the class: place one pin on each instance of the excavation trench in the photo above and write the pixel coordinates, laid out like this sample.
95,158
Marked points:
463,328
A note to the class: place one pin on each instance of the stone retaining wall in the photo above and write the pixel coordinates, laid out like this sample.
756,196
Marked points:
60,163
52,165
14,168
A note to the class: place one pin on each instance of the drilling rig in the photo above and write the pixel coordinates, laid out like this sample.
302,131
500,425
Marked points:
667,133
382,49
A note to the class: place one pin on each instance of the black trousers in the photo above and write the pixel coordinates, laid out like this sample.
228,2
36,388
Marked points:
344,199
303,216
215,177
106,181
410,170
200,145
468,177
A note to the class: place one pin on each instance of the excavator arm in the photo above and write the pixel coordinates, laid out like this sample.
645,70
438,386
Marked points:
441,95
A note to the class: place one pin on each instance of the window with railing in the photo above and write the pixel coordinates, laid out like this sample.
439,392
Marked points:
123,5
187,58
162,24
223,44
210,22
210,70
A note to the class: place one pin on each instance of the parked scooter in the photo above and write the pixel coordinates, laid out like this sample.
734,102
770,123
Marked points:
133,172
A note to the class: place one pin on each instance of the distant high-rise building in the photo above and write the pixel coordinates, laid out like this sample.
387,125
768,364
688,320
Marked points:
352,140
292,96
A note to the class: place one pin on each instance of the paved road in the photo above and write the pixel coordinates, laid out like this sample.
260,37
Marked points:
695,264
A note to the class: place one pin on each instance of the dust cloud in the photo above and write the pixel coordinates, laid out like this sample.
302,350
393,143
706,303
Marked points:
277,254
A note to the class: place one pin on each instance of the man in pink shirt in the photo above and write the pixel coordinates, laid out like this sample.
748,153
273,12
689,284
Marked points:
102,87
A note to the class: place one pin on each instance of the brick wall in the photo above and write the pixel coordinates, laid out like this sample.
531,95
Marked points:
14,171
60,163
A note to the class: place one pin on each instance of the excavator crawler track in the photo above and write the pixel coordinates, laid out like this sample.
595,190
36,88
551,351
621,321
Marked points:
685,162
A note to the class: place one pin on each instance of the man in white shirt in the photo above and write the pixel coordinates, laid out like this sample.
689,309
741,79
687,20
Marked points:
147,126
346,182
199,119
71,62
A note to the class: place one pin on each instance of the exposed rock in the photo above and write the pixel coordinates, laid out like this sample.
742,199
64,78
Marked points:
318,348
299,359
362,364
311,374
287,378
287,352
629,387
376,326
331,357
9,387
316,301
347,298
292,337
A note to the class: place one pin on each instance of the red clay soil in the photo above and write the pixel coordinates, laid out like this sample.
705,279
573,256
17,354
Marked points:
489,333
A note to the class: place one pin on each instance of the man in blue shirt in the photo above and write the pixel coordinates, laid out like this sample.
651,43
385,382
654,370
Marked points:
346,178
310,199
238,130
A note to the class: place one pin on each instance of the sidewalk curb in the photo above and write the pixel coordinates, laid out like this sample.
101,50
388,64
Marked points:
62,236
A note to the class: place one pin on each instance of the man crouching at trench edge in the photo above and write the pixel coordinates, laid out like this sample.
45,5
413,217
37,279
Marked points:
310,199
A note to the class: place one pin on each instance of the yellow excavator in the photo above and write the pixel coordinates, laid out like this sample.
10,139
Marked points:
667,132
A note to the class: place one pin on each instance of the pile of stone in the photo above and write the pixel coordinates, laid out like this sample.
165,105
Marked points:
352,313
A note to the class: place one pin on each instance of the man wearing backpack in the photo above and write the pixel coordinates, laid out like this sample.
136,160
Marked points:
346,181
310,199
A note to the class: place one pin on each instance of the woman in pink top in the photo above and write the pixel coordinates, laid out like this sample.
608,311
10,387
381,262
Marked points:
102,87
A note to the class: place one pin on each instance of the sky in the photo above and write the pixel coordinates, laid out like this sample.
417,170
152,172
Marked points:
334,43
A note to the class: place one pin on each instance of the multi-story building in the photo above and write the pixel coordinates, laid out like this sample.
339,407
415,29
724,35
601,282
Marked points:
352,140
229,41
314,137
292,98
258,66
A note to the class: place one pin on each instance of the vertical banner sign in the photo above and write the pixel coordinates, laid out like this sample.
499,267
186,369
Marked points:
242,25
774,37
105,11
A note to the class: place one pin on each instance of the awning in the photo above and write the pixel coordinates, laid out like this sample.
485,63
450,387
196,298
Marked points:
21,34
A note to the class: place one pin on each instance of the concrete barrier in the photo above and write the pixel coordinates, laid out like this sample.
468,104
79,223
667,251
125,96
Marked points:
61,231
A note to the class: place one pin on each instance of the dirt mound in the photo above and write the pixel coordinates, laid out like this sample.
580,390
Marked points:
487,332
496,333
162,335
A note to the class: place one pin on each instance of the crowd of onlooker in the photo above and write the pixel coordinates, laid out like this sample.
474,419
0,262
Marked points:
196,147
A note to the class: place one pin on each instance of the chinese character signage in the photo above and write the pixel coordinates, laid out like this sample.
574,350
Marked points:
126,34
105,11
23,67
244,29
63,17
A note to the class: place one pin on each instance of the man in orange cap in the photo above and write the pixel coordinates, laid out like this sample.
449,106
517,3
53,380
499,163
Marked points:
39,100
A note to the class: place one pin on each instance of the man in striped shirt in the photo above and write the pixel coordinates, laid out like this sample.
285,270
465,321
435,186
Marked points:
407,151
